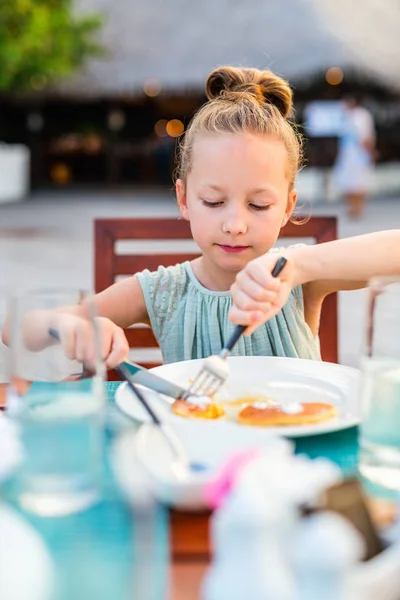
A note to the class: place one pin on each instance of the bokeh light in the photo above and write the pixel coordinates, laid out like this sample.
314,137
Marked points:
160,128
175,128
152,87
34,121
60,173
116,120
334,76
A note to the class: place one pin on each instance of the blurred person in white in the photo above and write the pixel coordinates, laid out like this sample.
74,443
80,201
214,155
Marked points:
354,165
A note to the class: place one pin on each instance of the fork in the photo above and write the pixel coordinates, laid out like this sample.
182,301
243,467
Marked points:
215,370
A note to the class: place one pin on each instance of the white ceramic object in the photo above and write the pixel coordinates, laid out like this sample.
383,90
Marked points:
26,570
14,172
10,447
208,443
282,379
378,578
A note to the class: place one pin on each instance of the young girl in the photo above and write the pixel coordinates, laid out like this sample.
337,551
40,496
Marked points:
238,163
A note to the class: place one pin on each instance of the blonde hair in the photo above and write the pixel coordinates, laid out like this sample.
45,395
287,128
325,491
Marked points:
244,100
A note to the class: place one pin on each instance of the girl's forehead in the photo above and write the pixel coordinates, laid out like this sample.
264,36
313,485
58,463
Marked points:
250,155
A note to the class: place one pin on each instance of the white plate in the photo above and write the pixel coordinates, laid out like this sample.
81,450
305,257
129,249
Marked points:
147,450
285,379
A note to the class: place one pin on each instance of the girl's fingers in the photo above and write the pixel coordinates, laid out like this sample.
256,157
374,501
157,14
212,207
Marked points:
84,343
244,302
245,317
106,342
119,349
81,342
251,329
91,345
68,342
254,293
252,318
260,273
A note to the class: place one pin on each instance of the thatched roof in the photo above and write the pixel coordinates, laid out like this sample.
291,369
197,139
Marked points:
178,42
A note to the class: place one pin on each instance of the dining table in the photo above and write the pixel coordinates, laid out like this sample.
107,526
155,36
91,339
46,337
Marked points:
98,554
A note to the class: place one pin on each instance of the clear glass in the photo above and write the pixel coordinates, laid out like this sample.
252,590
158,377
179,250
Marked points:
58,405
379,459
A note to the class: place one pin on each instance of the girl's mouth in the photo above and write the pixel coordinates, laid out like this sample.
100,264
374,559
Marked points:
233,248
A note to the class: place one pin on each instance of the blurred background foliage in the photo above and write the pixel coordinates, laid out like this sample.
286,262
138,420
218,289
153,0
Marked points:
43,41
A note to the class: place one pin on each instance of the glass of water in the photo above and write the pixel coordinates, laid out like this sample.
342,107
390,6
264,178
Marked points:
58,405
379,459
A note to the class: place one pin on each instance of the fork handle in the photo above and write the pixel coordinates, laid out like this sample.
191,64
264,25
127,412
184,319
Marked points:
240,329
280,263
54,334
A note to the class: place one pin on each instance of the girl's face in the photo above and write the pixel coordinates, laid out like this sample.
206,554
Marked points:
237,196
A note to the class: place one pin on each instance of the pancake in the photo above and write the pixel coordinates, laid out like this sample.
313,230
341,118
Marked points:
267,416
233,407
197,411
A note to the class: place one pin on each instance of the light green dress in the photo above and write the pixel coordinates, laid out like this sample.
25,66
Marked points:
190,321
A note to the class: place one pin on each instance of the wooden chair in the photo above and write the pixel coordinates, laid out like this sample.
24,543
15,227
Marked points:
109,265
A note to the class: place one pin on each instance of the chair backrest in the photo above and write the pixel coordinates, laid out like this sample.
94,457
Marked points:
110,265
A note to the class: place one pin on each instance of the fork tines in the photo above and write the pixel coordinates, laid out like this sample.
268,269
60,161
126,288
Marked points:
206,383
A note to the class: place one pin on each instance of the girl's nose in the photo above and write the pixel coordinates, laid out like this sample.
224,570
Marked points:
234,222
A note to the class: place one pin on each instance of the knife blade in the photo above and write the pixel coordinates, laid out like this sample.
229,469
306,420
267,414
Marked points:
154,382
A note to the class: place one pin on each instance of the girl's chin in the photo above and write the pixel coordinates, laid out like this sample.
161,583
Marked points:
232,263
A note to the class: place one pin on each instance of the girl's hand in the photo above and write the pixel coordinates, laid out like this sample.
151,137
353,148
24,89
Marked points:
256,295
78,340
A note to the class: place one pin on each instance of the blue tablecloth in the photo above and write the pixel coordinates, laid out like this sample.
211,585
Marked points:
94,551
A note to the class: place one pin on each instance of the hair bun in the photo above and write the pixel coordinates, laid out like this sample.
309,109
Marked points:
263,86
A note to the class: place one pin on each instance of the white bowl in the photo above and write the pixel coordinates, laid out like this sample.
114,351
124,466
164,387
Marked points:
208,443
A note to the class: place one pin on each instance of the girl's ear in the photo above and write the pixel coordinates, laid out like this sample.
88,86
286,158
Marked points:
181,199
290,205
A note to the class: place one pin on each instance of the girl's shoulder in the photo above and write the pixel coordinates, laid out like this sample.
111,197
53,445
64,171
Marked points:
164,278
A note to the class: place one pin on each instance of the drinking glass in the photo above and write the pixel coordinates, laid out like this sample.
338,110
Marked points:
379,458
58,405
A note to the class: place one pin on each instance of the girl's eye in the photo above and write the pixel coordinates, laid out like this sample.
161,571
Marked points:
260,206
212,204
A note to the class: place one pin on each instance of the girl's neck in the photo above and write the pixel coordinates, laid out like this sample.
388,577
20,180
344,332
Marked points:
211,276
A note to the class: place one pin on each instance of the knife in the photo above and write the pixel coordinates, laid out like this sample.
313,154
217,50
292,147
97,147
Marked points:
154,382
144,377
